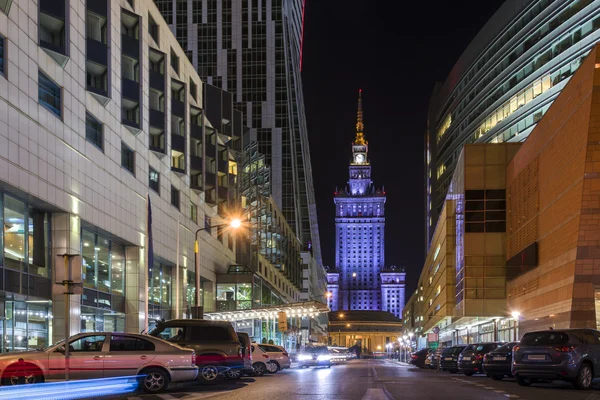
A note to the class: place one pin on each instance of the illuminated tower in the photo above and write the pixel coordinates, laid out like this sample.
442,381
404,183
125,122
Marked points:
359,222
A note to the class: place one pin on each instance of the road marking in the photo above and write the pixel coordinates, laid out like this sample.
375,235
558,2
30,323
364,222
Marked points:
499,391
512,396
375,394
488,388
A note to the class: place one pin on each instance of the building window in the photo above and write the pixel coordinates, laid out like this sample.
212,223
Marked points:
93,131
127,158
154,180
194,212
49,94
2,56
153,28
174,61
174,197
193,90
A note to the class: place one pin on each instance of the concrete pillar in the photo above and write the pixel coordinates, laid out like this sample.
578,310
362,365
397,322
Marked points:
136,295
66,239
209,292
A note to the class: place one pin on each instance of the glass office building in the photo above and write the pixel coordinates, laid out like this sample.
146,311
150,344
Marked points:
504,82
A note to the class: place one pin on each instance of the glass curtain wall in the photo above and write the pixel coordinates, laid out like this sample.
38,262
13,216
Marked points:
160,280
102,302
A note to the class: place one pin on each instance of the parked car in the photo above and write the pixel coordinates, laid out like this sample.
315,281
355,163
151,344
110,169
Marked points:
314,356
261,361
217,346
277,355
247,357
434,358
449,358
103,355
571,354
418,358
470,360
497,363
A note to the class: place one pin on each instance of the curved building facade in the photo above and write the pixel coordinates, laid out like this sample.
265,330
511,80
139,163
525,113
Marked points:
504,82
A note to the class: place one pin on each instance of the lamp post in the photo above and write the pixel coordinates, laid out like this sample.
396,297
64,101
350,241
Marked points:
515,315
198,309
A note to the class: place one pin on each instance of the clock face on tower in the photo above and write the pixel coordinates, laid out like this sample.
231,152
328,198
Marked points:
359,158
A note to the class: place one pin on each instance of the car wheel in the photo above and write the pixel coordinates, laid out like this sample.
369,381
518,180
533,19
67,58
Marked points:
583,381
523,381
468,373
497,377
276,367
208,374
22,375
233,374
155,381
259,369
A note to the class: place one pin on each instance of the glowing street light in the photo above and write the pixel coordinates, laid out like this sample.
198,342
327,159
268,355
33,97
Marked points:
515,314
328,295
235,223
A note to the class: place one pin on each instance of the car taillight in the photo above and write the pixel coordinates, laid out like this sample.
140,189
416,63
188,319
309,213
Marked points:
565,349
479,356
285,354
265,355
414,357
193,358
516,348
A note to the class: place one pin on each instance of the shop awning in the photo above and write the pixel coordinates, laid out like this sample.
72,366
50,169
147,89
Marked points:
304,309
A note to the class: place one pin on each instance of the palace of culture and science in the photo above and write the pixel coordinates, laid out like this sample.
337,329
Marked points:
360,280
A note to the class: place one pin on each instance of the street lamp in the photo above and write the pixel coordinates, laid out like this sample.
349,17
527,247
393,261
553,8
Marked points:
515,315
198,309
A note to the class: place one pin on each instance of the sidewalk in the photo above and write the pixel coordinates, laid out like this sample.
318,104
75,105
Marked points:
397,362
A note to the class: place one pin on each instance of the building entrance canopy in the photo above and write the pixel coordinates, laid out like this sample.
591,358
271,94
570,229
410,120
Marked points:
303,309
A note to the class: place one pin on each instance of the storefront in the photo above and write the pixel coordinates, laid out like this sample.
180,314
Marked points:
25,269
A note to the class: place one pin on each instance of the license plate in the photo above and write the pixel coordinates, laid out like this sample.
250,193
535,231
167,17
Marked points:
536,357
466,358
499,359
448,359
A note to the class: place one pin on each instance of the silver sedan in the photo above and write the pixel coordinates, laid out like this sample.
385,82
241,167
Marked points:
103,355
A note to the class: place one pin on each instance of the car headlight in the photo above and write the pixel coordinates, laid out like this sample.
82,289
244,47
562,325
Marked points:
303,357
324,357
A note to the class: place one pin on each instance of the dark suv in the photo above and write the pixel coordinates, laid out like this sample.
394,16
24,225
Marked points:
217,346
470,361
568,354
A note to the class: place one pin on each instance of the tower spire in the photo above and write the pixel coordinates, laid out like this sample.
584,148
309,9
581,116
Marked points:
360,135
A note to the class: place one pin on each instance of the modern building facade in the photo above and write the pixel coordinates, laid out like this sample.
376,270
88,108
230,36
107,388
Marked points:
504,82
553,207
360,280
371,331
102,115
254,51
461,296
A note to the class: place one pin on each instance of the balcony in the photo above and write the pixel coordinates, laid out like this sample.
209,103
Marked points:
178,108
222,194
196,163
157,81
130,90
130,47
157,119
196,132
98,7
97,52
211,150
211,179
56,8
157,144
178,143
196,182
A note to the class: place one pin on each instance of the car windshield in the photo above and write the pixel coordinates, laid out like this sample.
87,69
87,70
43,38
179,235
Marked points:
506,347
471,347
456,350
544,338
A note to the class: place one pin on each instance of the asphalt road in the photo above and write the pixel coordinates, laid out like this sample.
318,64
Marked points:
372,380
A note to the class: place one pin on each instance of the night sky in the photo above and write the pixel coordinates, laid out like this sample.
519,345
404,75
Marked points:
395,55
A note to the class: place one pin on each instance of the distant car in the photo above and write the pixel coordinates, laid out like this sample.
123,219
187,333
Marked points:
277,355
497,363
314,356
103,355
434,358
217,346
571,354
470,360
449,358
418,358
